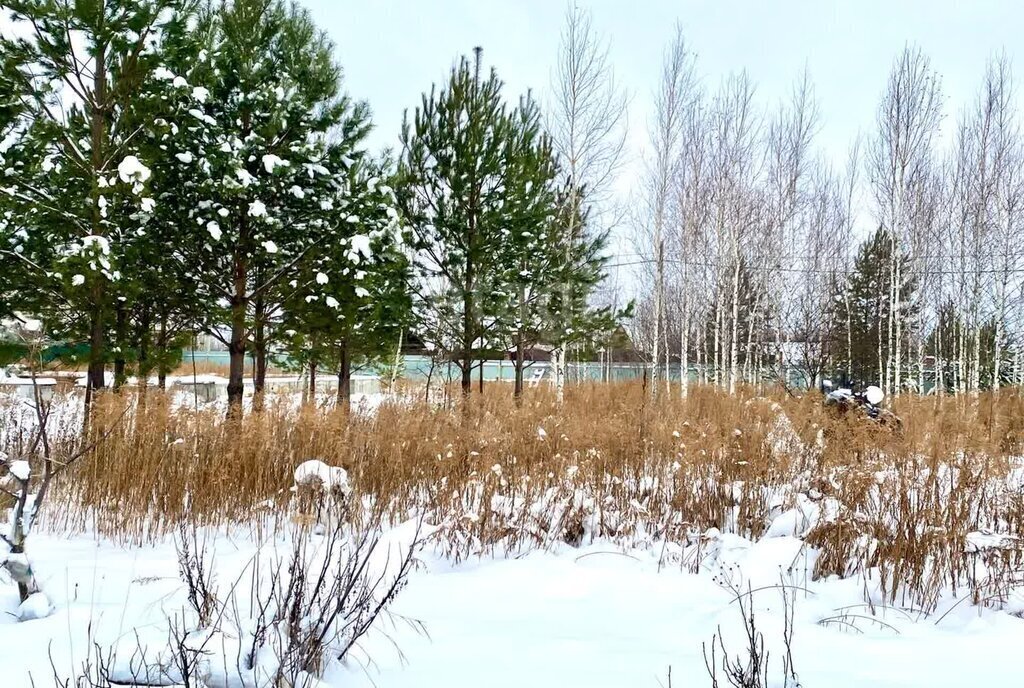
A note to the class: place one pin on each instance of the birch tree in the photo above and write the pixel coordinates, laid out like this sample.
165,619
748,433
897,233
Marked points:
586,121
908,122
1007,200
736,128
693,204
788,166
674,94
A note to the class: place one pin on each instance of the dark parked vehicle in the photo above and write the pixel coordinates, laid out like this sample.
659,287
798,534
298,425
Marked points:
867,402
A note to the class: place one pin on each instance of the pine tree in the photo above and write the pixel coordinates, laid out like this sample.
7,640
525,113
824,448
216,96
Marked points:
950,330
531,247
475,179
73,175
554,265
13,231
352,303
869,299
258,151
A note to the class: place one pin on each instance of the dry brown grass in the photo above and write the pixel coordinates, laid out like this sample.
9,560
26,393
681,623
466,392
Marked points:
608,464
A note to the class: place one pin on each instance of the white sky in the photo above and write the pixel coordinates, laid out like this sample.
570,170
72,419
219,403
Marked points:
393,50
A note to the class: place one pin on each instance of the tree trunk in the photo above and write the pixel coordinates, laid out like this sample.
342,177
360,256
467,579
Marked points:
398,360
520,356
882,363
559,360
520,347
849,336
684,354
98,151
659,303
259,373
95,379
345,378
717,372
1017,365
236,362
161,345
120,363
897,384
237,344
312,382
467,335
144,365
734,337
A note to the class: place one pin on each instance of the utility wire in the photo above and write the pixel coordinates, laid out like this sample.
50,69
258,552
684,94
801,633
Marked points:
817,271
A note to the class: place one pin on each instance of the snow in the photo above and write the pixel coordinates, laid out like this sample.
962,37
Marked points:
101,243
596,617
200,93
20,470
316,472
29,324
257,209
321,278
131,170
214,229
269,246
360,247
185,157
37,606
78,280
18,381
244,177
271,162
332,302
362,293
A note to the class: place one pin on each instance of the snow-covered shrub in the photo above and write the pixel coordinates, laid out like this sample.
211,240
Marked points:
321,490
311,613
299,615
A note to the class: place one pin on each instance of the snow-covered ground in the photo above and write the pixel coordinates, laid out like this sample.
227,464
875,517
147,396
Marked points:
558,616
589,617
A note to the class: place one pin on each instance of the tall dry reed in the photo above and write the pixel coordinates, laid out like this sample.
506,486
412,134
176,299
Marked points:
908,506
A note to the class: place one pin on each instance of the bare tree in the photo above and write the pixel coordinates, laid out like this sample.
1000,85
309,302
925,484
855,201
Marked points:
850,187
789,139
908,121
587,124
672,99
693,204
821,226
1007,197
736,130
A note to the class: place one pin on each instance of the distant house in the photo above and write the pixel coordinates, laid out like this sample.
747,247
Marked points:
620,348
536,352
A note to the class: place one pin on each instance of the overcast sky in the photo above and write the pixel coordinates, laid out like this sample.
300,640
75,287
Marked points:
393,50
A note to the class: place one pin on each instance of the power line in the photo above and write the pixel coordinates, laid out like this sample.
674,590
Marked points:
814,271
